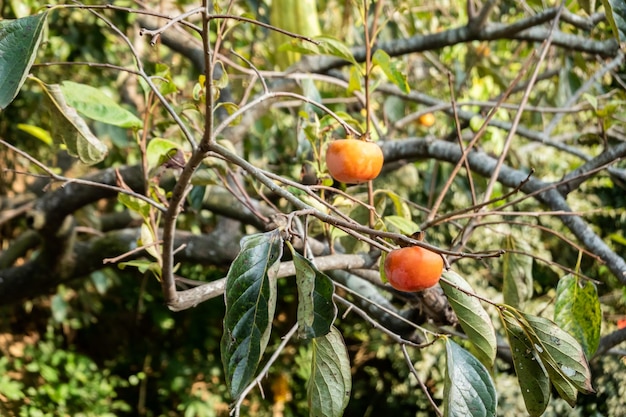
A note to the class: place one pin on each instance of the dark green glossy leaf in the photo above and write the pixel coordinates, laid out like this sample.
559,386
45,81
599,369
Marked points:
250,298
468,389
561,354
577,311
316,309
329,387
473,318
532,376
19,41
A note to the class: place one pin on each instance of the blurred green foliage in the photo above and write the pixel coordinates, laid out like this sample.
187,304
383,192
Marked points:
108,346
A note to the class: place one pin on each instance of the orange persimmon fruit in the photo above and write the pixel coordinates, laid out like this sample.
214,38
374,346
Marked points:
413,268
427,119
354,161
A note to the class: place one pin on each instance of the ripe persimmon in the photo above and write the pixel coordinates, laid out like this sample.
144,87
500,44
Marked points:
354,161
413,268
427,119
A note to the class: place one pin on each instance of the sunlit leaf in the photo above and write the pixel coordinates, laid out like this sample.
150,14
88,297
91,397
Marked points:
332,46
577,311
329,387
468,389
19,42
148,239
250,299
37,132
158,148
473,318
92,103
230,109
133,203
316,309
355,81
382,59
403,225
532,376
517,272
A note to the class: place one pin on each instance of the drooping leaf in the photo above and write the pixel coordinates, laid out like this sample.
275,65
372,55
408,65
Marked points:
250,299
560,353
19,41
329,387
71,129
316,309
517,272
149,239
577,311
332,46
158,148
473,318
532,376
615,11
92,103
382,59
468,389
230,109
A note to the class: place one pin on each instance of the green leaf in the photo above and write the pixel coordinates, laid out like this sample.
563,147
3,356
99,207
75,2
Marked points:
577,311
468,387
71,129
230,109
316,309
35,131
133,203
157,149
517,272
403,225
250,299
332,46
561,354
143,265
532,376
19,41
615,11
328,390
59,308
383,60
94,104
473,318
355,81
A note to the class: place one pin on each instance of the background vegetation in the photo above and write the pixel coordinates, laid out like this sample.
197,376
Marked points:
520,182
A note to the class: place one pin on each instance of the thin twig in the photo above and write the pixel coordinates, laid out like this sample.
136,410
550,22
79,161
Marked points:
257,381
409,362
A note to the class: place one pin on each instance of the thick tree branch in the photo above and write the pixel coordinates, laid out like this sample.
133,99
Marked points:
609,341
63,259
546,193
524,29
50,210
572,180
